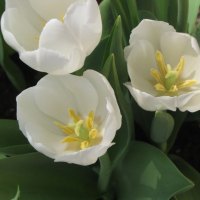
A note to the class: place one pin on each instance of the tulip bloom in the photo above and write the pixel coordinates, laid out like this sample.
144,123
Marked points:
52,36
164,68
70,118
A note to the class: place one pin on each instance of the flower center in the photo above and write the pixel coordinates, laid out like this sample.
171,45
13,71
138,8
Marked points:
168,79
82,131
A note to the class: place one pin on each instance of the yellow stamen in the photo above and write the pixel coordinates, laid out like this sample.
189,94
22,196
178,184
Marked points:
64,128
161,62
90,120
82,131
73,115
93,133
84,144
70,139
186,84
168,80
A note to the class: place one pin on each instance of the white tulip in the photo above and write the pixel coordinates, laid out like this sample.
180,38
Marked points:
52,36
164,68
70,118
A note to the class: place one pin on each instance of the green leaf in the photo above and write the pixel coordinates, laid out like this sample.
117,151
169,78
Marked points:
17,194
147,173
40,178
192,174
107,17
133,13
161,9
182,18
173,12
125,133
192,15
161,127
10,133
143,14
115,46
16,149
13,71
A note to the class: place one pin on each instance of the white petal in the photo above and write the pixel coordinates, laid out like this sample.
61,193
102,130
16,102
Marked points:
57,37
152,103
52,62
85,157
140,61
18,35
105,95
84,21
191,68
150,30
189,102
35,125
54,102
28,13
83,91
174,45
49,9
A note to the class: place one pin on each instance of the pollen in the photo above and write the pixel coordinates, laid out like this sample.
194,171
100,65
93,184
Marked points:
168,80
82,131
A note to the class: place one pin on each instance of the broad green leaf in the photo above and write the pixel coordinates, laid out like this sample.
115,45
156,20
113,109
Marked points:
182,18
143,14
17,194
161,127
147,173
107,17
192,15
40,178
13,72
119,8
173,12
125,133
133,13
95,59
115,46
16,149
192,174
10,133
161,9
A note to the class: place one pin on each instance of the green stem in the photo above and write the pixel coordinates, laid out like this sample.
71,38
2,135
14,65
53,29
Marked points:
105,173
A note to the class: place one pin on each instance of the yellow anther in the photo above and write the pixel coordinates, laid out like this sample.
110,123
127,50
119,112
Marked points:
161,62
90,120
168,80
81,131
186,84
73,115
159,87
64,128
156,75
70,139
179,68
93,133
84,144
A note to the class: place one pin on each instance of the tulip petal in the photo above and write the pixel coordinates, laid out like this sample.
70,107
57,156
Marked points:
84,21
189,102
20,36
174,45
151,31
140,61
152,103
49,9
